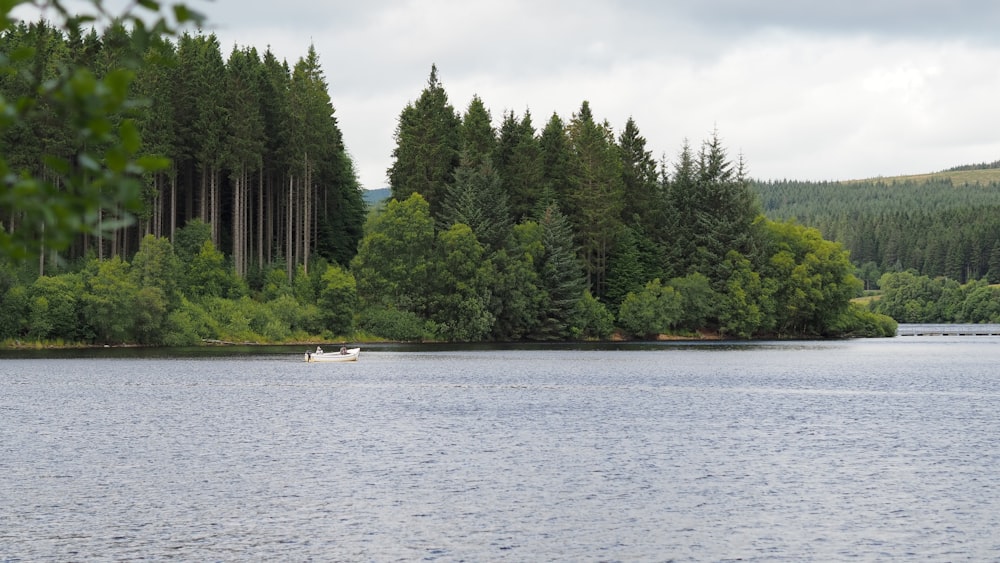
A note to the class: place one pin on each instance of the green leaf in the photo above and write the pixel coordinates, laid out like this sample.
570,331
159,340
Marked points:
183,14
131,141
88,162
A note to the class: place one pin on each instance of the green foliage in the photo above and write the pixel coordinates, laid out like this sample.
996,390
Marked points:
517,290
657,309
714,210
858,321
14,312
699,302
518,160
191,238
459,306
561,279
156,266
477,199
109,300
392,324
392,264
188,325
595,319
208,274
92,185
911,298
53,307
814,279
596,198
747,305
150,317
275,284
338,299
428,142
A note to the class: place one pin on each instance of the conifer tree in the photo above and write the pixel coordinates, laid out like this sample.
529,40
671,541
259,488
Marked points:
519,163
476,199
561,276
554,145
427,146
596,200
640,179
478,138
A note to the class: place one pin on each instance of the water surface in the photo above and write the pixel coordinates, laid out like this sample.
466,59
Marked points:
862,450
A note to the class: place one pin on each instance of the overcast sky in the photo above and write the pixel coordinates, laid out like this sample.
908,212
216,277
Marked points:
811,90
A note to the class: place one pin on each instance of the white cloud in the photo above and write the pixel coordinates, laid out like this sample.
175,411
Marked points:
849,94
804,90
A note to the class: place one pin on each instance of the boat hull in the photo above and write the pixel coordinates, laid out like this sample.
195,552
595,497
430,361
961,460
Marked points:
350,355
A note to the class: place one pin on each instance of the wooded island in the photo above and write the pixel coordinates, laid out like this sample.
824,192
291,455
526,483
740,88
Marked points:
256,230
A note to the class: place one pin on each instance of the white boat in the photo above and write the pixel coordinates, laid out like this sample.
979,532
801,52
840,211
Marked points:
344,355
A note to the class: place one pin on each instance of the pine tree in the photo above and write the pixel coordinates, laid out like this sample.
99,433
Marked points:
476,199
597,198
519,163
427,146
554,145
561,276
244,147
640,179
478,138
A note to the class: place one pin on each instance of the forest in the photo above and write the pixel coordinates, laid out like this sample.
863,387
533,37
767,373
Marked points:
936,226
255,230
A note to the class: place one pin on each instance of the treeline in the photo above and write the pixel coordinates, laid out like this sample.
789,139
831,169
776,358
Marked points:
254,147
574,231
934,227
912,298
175,295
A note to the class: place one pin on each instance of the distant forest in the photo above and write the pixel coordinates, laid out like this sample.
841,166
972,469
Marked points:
935,226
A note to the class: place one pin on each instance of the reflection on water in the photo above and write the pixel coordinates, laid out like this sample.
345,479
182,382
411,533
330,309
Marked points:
804,451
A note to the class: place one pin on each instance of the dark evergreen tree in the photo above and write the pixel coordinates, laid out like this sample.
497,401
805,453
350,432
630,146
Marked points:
561,276
640,179
478,138
519,162
476,199
427,146
556,184
596,200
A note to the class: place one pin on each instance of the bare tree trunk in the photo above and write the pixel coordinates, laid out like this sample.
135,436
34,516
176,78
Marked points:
203,200
215,207
306,215
260,218
289,252
173,206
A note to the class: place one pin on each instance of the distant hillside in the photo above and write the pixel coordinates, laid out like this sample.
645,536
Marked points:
376,196
981,174
939,224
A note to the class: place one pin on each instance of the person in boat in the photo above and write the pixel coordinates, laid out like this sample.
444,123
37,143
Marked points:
319,350
343,350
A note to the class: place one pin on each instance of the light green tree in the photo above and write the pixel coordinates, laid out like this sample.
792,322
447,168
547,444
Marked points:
656,309
337,300
814,279
109,300
459,290
393,260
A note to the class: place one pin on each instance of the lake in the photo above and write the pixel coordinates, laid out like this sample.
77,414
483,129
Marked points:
861,450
